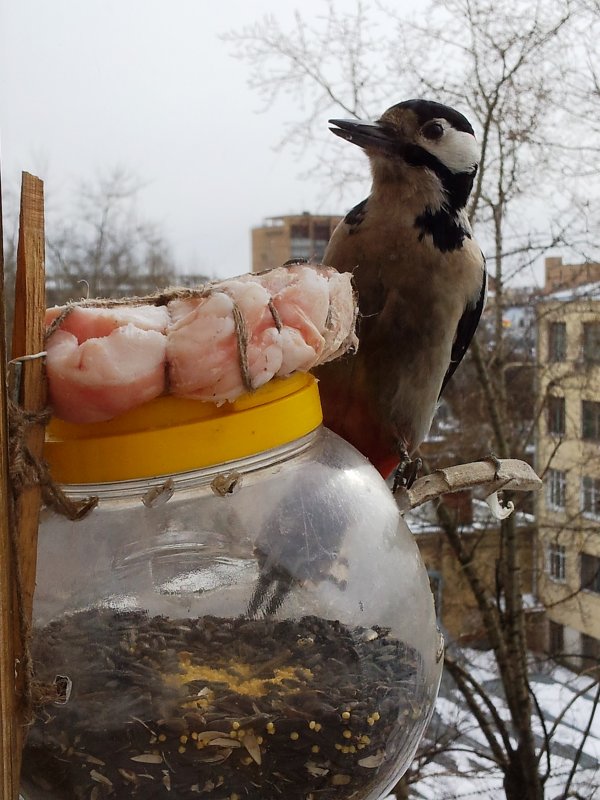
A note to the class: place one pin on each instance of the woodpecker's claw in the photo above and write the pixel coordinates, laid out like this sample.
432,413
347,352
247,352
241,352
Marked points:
276,582
406,473
496,462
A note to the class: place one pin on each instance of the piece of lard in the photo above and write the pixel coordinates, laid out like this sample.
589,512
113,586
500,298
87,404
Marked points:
104,376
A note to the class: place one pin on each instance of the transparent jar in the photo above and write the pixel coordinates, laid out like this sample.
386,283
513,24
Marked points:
244,614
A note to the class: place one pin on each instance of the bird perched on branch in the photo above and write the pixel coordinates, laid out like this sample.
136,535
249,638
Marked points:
420,278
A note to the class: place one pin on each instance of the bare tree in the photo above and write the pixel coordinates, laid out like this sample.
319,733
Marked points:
515,70
106,249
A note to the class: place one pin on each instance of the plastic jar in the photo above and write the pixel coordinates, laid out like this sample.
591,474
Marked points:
244,614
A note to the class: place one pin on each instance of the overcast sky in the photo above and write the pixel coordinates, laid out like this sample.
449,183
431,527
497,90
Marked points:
87,85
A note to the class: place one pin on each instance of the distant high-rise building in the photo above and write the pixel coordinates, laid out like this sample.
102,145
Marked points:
279,239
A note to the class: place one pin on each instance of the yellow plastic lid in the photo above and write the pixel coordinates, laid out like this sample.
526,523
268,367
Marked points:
173,434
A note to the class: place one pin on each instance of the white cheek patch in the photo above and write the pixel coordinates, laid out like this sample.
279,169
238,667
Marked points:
457,150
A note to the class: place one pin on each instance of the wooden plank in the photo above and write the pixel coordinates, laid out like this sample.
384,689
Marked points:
28,339
9,771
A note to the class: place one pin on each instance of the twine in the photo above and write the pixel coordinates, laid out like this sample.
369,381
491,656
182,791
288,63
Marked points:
241,331
26,471
163,298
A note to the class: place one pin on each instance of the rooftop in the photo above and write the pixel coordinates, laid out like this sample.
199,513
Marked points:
281,219
587,291
424,519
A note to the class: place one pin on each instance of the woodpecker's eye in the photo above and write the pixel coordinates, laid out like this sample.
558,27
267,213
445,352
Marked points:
432,130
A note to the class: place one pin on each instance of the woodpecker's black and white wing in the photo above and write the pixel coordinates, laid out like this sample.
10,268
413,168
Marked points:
355,217
467,325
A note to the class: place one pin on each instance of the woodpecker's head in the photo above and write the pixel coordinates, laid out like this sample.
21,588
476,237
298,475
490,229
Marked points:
418,135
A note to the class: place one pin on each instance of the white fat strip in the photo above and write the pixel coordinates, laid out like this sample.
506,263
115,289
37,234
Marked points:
457,150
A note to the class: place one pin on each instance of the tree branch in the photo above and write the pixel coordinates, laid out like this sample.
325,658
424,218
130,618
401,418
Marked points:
508,474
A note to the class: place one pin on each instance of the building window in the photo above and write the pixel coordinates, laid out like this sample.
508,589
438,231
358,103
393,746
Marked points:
556,415
556,566
557,341
556,489
300,231
591,342
300,241
321,234
590,650
319,248
556,638
590,573
300,248
590,420
590,496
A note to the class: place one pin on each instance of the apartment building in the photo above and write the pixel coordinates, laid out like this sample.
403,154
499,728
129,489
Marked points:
279,239
456,607
568,457
560,276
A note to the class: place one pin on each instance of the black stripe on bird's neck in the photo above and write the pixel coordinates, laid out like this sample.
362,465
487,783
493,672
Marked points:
457,185
444,224
444,227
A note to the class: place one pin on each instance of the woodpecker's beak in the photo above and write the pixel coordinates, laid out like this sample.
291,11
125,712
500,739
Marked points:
371,135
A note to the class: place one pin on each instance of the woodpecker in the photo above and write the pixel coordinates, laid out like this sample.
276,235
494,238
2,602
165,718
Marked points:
301,539
420,278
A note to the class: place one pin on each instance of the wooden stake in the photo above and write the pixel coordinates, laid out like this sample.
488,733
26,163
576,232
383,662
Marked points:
9,770
28,339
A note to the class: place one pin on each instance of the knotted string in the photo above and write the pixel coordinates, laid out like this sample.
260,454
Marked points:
25,471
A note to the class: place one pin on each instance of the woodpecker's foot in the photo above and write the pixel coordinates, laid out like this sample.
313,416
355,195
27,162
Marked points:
406,473
496,462
272,588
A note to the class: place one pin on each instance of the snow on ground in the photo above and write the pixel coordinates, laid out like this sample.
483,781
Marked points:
465,771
